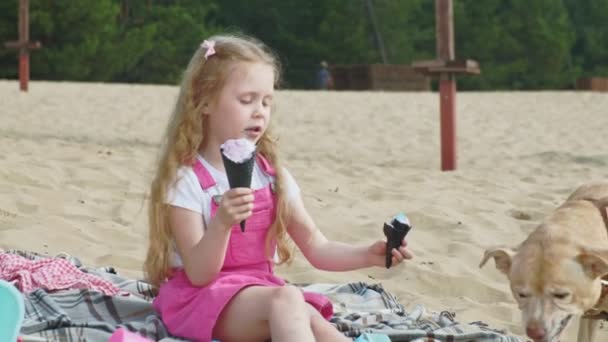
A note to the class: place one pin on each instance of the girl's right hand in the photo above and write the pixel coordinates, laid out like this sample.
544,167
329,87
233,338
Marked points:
235,206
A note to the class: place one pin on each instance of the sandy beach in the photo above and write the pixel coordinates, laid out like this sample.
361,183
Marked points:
76,160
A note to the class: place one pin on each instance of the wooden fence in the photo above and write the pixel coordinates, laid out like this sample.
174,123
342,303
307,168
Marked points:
593,83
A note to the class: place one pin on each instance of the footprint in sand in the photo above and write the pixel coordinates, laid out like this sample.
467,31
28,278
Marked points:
7,216
520,215
528,179
25,208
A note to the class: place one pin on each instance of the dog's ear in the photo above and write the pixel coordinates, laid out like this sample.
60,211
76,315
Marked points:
502,258
594,262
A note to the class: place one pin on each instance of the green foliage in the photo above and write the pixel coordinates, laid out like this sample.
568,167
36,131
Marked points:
590,22
408,29
91,40
520,44
302,32
177,31
81,40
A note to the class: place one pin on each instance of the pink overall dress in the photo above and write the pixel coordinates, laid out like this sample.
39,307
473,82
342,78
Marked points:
191,312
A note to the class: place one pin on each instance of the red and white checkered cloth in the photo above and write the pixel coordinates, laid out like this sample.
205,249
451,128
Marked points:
50,274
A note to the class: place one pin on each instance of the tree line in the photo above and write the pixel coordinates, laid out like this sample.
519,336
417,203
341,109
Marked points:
520,44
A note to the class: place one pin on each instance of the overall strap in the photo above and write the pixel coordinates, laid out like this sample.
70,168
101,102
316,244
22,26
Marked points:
265,165
204,177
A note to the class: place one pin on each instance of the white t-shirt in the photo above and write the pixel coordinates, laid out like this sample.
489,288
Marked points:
187,191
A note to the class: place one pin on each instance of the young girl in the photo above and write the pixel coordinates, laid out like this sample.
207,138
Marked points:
215,280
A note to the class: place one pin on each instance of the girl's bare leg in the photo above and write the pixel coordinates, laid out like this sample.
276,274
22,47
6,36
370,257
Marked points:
323,330
289,317
258,313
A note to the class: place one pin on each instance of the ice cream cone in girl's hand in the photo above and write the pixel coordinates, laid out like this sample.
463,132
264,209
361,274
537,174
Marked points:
238,156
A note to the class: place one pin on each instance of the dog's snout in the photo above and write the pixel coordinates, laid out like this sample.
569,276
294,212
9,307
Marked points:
536,331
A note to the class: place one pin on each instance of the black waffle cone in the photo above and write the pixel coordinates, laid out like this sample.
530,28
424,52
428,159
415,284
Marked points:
239,174
395,233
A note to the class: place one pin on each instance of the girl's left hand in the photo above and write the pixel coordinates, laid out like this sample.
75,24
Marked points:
377,253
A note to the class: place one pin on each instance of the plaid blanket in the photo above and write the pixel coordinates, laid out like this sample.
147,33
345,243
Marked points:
87,315
368,308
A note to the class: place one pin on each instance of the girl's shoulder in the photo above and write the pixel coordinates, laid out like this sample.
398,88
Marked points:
185,173
186,191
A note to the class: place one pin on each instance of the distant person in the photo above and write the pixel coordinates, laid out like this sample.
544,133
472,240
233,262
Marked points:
324,79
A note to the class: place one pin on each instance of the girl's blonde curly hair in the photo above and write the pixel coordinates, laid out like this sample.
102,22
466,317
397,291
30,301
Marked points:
202,82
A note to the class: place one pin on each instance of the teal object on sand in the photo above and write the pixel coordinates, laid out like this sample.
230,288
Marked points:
11,311
373,337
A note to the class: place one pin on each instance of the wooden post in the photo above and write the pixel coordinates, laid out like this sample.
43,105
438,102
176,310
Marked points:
444,23
23,45
446,67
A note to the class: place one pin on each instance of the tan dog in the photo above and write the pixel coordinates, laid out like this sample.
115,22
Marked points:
556,272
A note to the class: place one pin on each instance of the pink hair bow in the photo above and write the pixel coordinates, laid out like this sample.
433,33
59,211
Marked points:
210,46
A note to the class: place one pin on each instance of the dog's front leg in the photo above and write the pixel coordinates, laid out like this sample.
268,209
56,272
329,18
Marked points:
587,329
